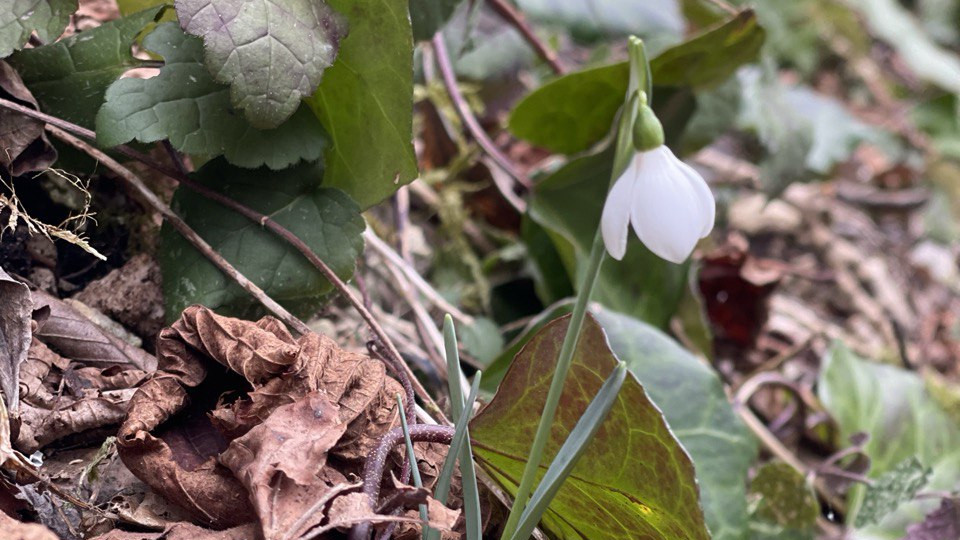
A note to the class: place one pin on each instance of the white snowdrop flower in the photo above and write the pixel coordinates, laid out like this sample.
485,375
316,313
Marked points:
668,203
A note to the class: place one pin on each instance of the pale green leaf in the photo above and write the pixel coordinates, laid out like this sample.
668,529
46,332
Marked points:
20,18
899,485
272,53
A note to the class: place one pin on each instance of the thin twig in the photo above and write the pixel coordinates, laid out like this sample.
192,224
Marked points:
466,115
515,18
150,199
391,257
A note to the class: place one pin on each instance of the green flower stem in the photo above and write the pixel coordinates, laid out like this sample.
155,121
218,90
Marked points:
639,81
597,252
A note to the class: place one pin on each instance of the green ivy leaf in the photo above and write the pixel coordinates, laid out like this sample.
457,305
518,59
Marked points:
70,77
272,53
364,102
428,16
185,105
634,469
326,219
568,204
574,112
20,18
897,486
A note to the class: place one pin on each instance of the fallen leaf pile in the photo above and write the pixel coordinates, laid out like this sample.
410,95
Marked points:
249,431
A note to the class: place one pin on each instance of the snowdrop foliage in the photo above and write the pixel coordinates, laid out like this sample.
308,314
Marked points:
668,203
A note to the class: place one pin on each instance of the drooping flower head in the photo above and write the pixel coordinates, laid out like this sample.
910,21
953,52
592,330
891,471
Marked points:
668,203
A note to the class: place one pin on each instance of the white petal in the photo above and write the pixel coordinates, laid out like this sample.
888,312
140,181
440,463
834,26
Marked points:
666,211
704,196
615,220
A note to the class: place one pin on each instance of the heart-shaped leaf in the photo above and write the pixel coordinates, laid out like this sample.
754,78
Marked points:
634,479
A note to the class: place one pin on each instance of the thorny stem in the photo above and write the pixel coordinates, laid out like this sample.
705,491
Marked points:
595,260
514,17
253,215
376,463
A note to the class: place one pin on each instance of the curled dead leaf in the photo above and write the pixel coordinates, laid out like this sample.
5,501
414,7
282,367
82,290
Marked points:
299,402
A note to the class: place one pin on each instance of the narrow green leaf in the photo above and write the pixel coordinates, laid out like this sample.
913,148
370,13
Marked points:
364,102
326,219
414,468
461,434
20,18
69,78
468,476
272,53
185,105
633,468
568,455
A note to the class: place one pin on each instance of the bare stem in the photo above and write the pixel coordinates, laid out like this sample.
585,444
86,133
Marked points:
467,117
150,199
514,17
253,215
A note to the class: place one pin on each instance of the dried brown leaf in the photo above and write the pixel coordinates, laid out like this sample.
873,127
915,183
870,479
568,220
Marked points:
23,144
282,463
11,529
276,441
14,331
186,531
71,334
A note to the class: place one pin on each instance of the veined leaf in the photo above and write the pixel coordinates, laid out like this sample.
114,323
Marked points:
185,105
272,53
326,219
634,479
70,77
20,18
